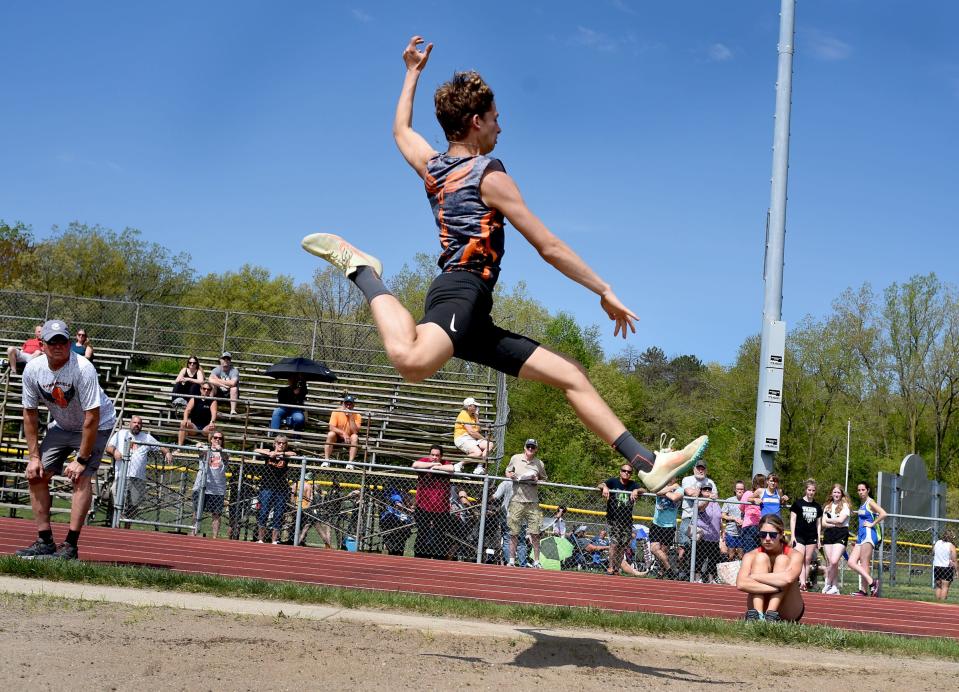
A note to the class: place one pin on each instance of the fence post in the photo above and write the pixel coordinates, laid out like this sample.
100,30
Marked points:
893,532
46,312
299,502
136,326
693,540
313,342
480,543
198,516
359,510
226,323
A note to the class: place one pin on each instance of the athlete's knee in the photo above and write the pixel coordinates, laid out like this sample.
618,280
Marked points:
411,370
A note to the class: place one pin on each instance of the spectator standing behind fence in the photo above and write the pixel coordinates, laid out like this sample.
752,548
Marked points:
620,494
344,428
770,576
187,382
31,349
805,526
557,525
944,564
290,412
274,487
501,499
732,514
752,513
396,523
214,489
525,470
83,417
432,514
464,527
708,522
691,489
467,435
663,531
835,520
771,499
140,445
199,416
867,538
82,346
226,379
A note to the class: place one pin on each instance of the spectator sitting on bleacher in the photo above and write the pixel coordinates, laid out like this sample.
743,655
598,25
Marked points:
31,349
274,487
82,347
344,428
467,435
140,445
226,379
199,416
290,412
187,383
213,484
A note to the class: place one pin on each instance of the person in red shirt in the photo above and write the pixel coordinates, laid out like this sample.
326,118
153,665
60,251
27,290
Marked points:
31,349
432,513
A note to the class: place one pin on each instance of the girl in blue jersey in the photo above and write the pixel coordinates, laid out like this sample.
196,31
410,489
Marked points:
868,537
771,500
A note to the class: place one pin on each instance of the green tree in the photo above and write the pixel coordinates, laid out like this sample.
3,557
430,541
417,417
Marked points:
16,244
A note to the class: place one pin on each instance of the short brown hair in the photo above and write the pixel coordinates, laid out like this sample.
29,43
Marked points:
458,100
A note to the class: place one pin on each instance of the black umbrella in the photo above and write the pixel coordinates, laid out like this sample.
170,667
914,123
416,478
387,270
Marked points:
302,368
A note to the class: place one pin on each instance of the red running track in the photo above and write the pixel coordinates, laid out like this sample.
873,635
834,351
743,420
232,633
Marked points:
468,580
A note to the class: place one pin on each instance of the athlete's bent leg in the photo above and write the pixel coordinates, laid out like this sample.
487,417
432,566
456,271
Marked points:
558,370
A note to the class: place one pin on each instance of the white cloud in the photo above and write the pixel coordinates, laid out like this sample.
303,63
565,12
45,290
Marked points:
595,40
361,16
825,46
719,52
623,6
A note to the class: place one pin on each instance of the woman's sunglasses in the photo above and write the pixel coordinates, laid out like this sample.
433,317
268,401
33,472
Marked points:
771,535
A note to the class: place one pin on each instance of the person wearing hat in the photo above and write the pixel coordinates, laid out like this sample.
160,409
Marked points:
691,489
344,428
83,417
226,378
525,470
467,435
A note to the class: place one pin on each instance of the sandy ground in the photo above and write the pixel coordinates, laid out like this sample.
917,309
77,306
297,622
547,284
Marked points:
81,637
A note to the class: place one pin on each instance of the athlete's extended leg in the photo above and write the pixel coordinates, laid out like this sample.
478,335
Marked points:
416,351
655,470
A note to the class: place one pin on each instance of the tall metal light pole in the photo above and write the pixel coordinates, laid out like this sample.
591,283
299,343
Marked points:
773,335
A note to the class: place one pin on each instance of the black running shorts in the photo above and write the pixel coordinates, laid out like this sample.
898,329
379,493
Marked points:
460,303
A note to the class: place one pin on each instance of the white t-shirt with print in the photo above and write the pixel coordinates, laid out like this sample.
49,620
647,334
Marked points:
68,393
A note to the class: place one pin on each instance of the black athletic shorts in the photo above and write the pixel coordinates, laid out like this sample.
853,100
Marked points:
835,534
460,303
662,534
943,574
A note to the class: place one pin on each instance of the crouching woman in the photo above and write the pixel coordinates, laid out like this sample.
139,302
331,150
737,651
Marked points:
770,576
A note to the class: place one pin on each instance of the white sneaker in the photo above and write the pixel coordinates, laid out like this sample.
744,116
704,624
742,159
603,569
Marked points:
458,467
260,542
479,470
536,565
511,563
350,467
340,253
671,464
834,591
276,542
825,589
325,465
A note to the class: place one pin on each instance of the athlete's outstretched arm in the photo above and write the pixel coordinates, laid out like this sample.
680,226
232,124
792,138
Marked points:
500,192
415,149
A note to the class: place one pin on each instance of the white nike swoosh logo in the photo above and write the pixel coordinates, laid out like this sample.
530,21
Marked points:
453,323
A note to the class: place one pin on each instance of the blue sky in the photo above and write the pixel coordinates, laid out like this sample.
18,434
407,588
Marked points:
640,132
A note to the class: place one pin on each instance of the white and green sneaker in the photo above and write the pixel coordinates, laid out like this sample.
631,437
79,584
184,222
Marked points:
669,464
340,253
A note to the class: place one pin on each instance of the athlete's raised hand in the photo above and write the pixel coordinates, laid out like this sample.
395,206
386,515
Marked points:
619,313
415,58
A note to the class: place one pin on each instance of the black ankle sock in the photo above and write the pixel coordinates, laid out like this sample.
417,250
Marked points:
73,537
46,536
638,456
369,283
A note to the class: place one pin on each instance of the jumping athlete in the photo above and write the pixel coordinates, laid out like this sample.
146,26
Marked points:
471,195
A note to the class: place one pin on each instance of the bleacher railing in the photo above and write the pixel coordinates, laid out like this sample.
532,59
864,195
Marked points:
171,329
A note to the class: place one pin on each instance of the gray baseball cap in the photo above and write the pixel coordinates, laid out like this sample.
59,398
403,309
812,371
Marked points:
54,328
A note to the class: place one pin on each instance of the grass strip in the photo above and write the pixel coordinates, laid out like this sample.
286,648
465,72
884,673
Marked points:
649,624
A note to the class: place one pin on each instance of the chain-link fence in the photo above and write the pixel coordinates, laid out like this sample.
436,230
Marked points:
176,330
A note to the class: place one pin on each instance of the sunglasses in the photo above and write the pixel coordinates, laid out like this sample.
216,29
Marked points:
193,362
769,534
218,437
531,447
629,470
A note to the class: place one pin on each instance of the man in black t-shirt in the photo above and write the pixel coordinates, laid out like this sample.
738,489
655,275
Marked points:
805,524
274,486
619,513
